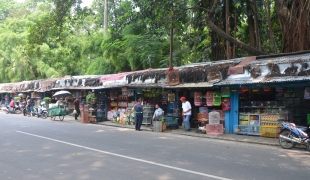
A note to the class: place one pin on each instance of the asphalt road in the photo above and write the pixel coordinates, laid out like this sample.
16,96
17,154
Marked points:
33,148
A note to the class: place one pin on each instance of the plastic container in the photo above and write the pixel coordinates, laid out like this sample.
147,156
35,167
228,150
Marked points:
214,129
269,131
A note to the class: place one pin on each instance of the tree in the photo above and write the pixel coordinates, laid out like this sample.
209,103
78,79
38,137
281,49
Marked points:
294,17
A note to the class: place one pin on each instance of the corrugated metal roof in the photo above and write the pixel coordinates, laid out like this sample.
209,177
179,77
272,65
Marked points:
190,85
282,62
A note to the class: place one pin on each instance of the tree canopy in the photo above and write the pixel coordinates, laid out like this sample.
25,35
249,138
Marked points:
53,38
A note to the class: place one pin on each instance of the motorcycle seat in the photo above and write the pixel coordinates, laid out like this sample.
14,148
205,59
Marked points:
303,128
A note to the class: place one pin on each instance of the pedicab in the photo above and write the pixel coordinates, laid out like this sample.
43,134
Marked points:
59,110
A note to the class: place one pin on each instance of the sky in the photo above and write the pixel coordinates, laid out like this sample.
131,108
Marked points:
85,2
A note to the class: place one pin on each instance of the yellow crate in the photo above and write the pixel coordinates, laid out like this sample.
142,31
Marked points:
269,131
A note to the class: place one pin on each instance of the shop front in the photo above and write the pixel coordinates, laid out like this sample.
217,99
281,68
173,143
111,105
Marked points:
208,106
122,100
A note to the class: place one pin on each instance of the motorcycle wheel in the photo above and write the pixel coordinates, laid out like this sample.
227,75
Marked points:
32,114
24,112
7,111
61,117
284,143
17,111
44,115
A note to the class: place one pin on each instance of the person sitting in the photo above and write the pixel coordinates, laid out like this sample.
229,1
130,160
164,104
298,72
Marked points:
158,112
12,104
59,102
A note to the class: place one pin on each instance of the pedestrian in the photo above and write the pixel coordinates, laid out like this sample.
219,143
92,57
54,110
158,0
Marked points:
77,108
187,112
28,105
138,115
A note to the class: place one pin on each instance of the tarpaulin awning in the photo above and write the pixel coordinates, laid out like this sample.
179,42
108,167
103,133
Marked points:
238,69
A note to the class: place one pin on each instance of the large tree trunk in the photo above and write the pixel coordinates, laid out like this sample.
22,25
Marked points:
294,17
250,24
227,24
270,31
256,26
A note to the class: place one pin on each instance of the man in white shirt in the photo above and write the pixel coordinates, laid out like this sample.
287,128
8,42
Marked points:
187,112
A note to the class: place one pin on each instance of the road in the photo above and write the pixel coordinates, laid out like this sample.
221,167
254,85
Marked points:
33,148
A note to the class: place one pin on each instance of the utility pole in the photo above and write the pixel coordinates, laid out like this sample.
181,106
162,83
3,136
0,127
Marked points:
105,23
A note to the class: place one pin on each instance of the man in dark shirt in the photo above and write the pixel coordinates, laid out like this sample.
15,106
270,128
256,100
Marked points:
138,115
77,108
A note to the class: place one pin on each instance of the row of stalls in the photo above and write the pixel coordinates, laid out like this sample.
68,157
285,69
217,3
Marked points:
252,95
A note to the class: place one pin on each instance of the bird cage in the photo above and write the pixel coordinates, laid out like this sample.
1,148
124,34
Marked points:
171,97
209,98
225,91
279,89
225,104
217,98
267,89
197,98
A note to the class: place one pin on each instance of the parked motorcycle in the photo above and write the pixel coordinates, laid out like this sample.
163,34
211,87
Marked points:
39,111
13,110
291,135
23,108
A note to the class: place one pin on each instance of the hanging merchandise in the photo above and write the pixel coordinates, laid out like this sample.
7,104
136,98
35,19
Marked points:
279,89
209,98
197,98
124,91
165,98
255,90
217,98
307,93
171,97
244,89
290,90
225,91
226,104
267,88
113,95
234,89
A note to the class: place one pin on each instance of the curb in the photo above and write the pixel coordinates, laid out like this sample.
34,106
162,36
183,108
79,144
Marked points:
201,136
215,137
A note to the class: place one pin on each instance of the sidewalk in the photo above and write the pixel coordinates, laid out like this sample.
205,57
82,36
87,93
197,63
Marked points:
194,133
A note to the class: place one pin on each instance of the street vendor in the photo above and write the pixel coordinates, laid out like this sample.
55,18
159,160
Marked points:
158,112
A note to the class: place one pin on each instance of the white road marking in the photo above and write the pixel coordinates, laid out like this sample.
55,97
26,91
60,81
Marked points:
128,157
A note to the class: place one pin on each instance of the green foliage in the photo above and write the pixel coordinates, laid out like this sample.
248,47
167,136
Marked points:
47,100
46,39
17,98
90,98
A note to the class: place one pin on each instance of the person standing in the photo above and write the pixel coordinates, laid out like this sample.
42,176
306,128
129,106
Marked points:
187,112
138,115
77,108
28,105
